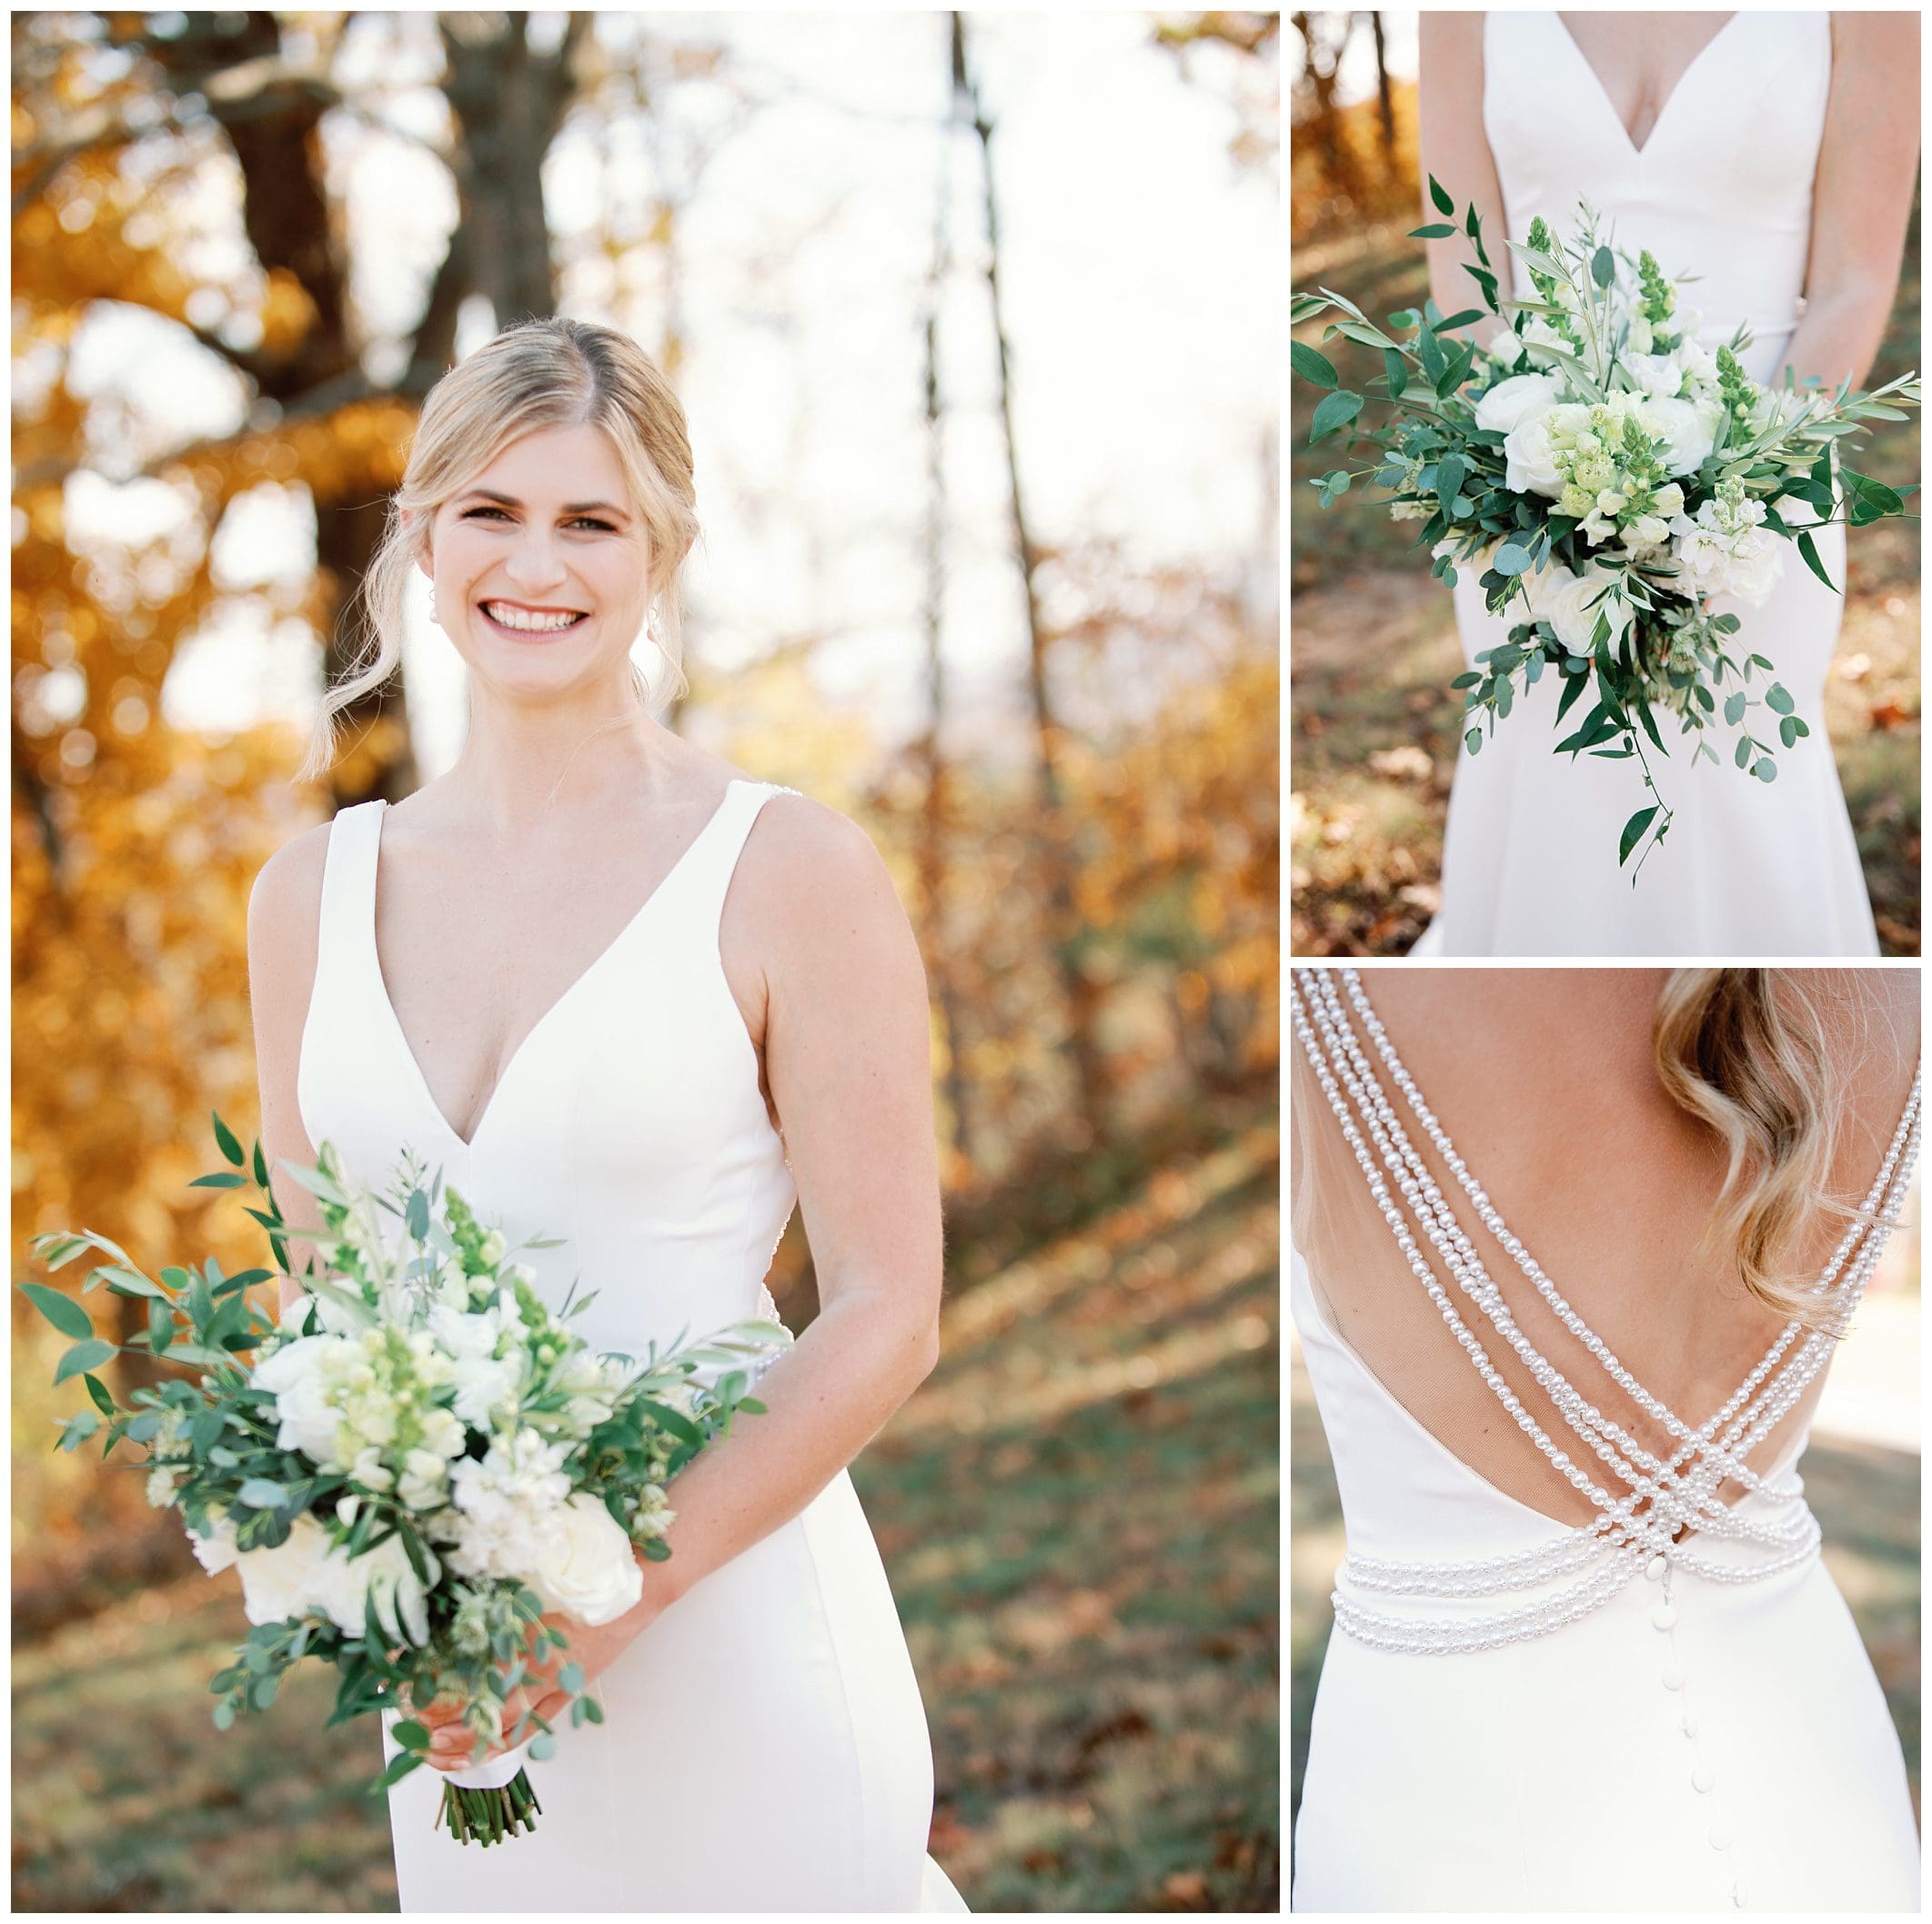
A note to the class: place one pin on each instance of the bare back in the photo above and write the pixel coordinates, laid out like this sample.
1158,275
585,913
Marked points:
1544,1080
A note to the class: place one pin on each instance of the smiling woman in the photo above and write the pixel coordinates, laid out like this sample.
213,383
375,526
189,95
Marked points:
509,443
624,997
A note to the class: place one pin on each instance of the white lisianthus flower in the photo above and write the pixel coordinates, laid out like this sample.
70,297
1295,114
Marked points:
590,1571
1519,398
1571,604
1660,376
1541,341
593,1384
488,1348
301,1375
1689,429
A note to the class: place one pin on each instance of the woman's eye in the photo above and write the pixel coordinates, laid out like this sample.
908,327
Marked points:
584,520
473,513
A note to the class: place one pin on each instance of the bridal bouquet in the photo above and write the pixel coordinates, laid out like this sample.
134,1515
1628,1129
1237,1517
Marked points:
410,1466
1605,476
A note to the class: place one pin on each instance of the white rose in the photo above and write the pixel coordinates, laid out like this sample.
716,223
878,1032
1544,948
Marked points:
385,1574
590,1572
215,1551
290,1579
1565,601
1520,399
1531,467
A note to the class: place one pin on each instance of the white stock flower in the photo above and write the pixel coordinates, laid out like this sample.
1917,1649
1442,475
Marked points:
1565,601
505,1509
163,1480
588,1570
1520,399
1725,550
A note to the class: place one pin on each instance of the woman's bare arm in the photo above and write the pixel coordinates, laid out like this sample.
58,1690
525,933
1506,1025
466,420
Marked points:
1456,149
1867,163
284,910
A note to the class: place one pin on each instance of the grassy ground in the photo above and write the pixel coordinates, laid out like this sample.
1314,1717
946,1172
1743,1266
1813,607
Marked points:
1373,648
1079,1513
1865,1498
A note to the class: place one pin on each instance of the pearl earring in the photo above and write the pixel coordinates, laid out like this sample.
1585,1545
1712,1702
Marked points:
433,614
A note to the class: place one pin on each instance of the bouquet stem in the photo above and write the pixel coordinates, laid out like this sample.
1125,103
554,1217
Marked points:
487,1816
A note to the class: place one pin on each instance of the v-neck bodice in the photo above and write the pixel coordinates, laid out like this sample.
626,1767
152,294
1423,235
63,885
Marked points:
1720,188
627,1122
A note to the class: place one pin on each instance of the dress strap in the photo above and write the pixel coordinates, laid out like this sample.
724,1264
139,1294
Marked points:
345,931
724,843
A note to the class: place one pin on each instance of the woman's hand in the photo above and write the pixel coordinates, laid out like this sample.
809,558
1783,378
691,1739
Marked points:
452,1740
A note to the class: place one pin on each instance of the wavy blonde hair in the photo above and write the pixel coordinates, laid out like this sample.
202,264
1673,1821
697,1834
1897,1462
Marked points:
548,373
1746,1051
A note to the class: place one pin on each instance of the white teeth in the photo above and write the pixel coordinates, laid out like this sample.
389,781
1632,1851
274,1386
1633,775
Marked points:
521,618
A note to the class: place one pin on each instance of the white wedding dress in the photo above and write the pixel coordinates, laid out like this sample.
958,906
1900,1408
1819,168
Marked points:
1688,1744
1721,189
763,1745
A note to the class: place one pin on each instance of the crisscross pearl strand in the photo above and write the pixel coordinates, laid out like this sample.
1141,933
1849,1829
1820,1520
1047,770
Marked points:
1611,1547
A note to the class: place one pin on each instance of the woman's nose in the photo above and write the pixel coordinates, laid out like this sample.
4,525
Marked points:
533,562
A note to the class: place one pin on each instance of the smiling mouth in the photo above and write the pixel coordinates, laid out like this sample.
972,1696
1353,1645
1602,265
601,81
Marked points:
516,621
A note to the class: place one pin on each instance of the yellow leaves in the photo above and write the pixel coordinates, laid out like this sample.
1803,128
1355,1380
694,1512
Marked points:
286,313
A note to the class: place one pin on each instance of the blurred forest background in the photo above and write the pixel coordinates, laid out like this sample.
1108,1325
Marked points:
1374,729
988,563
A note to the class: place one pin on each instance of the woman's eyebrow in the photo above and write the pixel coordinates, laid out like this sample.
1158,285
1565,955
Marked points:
510,500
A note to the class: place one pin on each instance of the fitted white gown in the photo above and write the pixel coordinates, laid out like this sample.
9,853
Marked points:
1722,190
1556,1773
764,1746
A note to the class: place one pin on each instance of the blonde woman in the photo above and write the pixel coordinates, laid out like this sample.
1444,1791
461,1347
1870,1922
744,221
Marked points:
1573,1249
1772,156
624,995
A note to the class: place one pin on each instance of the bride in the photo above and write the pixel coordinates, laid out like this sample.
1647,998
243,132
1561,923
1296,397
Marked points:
1567,1330
1773,156
626,997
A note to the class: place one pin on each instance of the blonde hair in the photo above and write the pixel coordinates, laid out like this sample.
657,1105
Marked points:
1746,1051
548,373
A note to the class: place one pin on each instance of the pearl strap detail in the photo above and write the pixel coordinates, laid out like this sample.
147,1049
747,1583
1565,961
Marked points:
1636,1530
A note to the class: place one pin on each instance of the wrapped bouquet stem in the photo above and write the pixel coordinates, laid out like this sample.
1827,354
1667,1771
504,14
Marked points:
415,1469
1606,475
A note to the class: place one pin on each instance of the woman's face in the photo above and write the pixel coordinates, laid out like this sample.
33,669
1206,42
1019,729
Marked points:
540,565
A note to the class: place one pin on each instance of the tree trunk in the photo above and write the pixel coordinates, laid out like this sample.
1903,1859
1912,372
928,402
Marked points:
285,212
1385,100
934,807
1051,855
508,103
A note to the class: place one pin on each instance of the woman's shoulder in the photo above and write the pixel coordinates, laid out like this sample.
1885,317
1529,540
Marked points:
287,894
